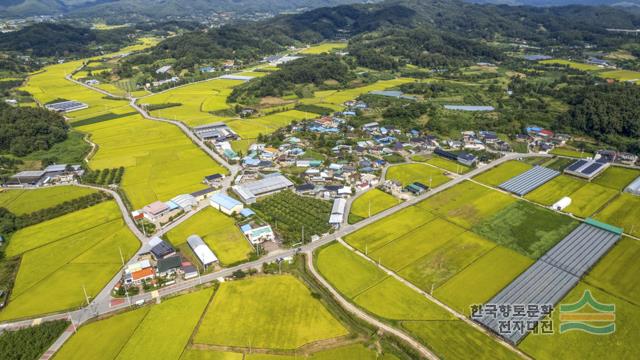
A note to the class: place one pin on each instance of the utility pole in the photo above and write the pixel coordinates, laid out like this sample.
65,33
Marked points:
369,208
75,329
126,292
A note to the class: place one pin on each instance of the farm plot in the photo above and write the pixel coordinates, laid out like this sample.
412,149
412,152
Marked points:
160,162
621,75
438,266
589,198
197,101
563,151
371,203
623,212
617,177
465,342
571,64
276,312
623,343
467,204
554,190
290,213
141,333
369,287
526,228
409,173
386,230
22,202
617,272
482,279
219,232
448,165
324,48
339,97
62,255
252,127
502,173
349,352
415,244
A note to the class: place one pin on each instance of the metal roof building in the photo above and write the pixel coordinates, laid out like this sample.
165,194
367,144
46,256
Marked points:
337,211
66,106
634,187
547,281
226,204
201,250
185,202
250,191
529,180
587,169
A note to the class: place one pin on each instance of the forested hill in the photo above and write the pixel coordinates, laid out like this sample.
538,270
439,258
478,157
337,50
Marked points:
48,39
439,22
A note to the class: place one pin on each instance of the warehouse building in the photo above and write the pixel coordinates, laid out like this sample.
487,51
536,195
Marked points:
337,212
249,192
214,132
66,106
201,250
52,173
225,204
586,169
185,202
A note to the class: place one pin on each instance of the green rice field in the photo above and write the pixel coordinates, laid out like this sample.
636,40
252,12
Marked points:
482,279
563,151
571,64
624,343
323,48
617,271
219,231
448,165
62,255
502,173
371,203
160,162
276,312
621,75
554,190
22,202
467,203
526,228
141,333
617,177
250,128
589,198
339,97
623,212
409,173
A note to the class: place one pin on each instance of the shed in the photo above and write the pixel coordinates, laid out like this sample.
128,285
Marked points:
169,265
185,202
204,193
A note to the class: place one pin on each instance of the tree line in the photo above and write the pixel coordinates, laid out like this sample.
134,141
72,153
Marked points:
31,342
103,176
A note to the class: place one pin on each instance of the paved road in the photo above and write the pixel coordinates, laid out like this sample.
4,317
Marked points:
346,304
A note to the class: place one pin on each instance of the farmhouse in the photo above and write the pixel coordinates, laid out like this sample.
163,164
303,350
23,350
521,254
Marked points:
225,204
66,106
155,211
169,266
337,212
249,192
213,179
137,272
160,249
201,250
257,234
587,169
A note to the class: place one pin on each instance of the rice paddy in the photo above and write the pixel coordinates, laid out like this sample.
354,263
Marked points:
339,97
160,161
623,212
617,271
250,128
571,64
617,177
22,202
589,198
448,165
63,255
554,190
217,230
621,75
371,203
502,173
323,48
275,312
410,173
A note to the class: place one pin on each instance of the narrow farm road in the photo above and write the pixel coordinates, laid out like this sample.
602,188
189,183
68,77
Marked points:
347,305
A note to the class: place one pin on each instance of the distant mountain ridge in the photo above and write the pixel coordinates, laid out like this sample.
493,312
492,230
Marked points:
155,9
620,3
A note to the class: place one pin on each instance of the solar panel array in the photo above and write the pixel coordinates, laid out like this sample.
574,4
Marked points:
528,181
66,106
586,168
547,281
